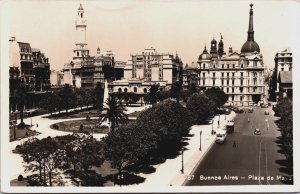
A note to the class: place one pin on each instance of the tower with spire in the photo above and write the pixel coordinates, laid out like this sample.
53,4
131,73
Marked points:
221,47
250,45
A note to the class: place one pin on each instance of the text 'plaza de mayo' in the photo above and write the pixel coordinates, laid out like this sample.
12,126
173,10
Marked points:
240,74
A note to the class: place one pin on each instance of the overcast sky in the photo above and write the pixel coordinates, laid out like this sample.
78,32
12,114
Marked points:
130,26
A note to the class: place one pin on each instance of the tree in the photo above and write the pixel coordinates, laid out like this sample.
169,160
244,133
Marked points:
80,100
99,94
126,146
192,88
201,107
67,96
42,155
114,112
152,96
50,102
176,90
217,95
21,98
166,122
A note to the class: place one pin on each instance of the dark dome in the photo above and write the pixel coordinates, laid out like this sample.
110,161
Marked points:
250,47
213,41
205,55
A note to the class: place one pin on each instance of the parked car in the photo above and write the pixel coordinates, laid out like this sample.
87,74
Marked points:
221,136
257,131
267,112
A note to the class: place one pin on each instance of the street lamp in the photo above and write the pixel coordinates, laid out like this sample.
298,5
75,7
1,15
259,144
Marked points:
182,167
30,119
200,140
15,134
219,121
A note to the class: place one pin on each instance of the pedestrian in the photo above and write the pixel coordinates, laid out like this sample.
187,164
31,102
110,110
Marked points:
234,144
37,125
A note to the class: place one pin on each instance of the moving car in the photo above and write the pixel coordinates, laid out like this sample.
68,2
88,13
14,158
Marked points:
267,112
230,127
221,136
257,131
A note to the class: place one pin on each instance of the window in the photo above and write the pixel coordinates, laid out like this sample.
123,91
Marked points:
282,69
227,74
233,65
135,89
81,15
145,90
254,63
214,82
203,65
214,66
242,74
232,82
214,74
241,98
203,74
77,54
227,89
222,74
232,74
232,89
227,66
119,90
241,82
227,82
242,65
241,89
125,89
203,82
222,82
254,89
223,66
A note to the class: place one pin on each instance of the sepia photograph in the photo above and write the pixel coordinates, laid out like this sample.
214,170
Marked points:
152,96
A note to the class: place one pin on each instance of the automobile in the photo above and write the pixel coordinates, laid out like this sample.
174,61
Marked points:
264,105
250,110
221,136
230,126
267,112
257,131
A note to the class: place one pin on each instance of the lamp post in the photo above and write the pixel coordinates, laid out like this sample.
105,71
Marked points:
15,134
182,167
219,121
200,140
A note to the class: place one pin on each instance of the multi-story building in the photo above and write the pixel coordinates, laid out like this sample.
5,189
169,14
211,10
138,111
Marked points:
283,68
189,76
148,68
30,67
239,74
56,78
85,70
41,68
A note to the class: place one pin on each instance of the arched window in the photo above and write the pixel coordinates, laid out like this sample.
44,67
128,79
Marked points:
135,89
81,14
242,65
227,66
119,90
145,90
203,65
125,89
77,54
222,66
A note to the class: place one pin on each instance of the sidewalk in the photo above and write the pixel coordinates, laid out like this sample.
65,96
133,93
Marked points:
169,173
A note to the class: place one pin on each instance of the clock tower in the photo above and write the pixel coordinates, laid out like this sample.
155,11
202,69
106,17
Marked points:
80,50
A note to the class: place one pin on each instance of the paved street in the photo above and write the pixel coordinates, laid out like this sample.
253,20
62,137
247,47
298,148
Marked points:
254,155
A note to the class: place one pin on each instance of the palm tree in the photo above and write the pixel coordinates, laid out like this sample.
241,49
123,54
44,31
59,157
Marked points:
114,112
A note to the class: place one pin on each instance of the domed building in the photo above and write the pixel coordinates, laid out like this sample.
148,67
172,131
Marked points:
239,74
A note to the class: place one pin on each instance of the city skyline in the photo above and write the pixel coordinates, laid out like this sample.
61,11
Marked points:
107,23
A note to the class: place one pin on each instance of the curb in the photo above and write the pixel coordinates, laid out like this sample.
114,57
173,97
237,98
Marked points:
199,162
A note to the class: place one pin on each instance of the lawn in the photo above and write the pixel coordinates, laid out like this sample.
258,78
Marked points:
21,133
74,126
